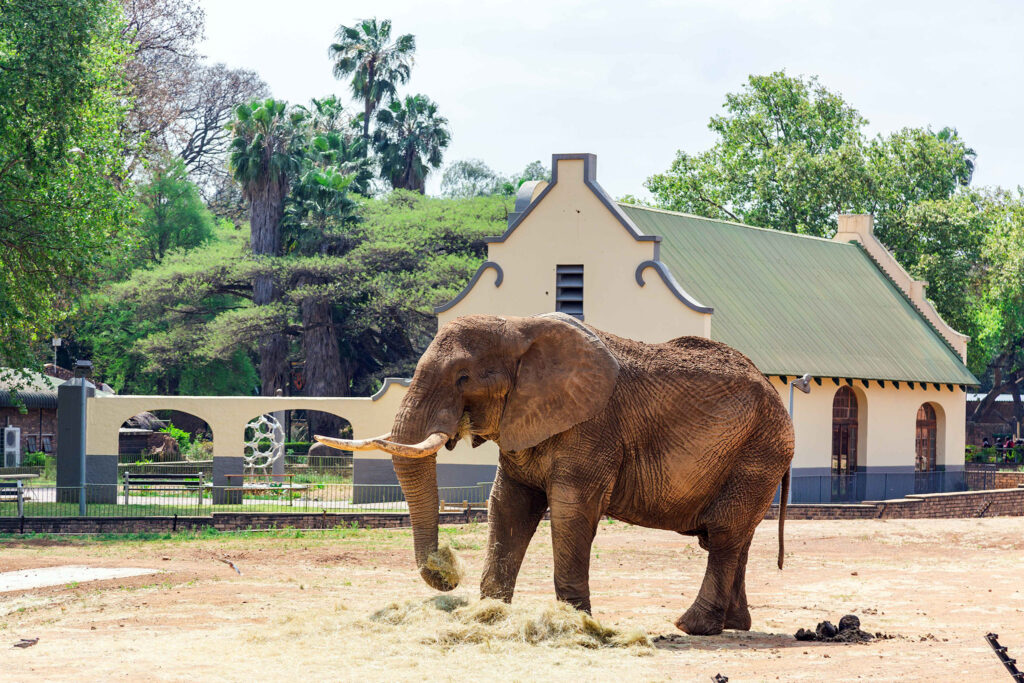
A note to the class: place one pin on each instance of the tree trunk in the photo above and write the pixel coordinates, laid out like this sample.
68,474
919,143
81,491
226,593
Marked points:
267,209
324,373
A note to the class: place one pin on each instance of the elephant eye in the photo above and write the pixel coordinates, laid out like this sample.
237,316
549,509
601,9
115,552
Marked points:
462,379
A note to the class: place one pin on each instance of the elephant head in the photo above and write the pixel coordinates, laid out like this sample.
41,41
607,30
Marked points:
516,381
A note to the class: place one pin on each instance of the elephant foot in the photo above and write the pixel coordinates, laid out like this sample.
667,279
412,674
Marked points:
701,621
738,619
582,604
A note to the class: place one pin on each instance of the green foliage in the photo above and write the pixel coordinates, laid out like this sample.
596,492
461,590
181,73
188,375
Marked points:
183,438
179,325
377,66
791,155
470,178
37,459
171,213
64,204
410,139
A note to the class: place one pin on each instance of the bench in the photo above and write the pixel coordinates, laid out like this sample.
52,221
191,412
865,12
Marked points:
188,482
252,483
13,490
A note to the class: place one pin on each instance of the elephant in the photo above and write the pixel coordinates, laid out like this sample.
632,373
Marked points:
685,435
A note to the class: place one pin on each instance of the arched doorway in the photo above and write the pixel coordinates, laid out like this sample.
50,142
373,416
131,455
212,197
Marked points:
844,444
926,438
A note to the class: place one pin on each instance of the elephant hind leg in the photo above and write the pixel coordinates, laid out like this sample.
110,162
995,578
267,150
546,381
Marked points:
737,616
707,615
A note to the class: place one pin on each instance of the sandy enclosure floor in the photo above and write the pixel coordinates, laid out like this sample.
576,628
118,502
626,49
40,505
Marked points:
300,607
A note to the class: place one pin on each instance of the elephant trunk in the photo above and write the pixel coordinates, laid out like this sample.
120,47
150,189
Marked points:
418,478
422,416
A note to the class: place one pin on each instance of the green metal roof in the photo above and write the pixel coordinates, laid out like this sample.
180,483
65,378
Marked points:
797,304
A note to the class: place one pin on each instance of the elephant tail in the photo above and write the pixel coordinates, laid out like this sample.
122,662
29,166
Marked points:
782,516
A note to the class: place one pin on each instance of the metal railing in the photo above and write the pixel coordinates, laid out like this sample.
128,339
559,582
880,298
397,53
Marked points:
860,486
255,495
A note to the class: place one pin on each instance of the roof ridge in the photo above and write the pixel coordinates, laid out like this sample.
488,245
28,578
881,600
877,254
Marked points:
725,222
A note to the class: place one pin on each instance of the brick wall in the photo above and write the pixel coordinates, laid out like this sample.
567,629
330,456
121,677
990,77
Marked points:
221,522
30,425
1007,502
1008,480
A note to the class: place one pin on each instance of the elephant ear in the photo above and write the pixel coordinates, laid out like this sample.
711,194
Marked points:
565,376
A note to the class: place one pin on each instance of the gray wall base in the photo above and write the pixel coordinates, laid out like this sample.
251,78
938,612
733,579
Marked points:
223,466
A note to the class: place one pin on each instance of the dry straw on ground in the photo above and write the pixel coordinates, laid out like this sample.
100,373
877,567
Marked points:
450,620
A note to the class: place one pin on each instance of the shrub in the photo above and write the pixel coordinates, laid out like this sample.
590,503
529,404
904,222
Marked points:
183,438
36,459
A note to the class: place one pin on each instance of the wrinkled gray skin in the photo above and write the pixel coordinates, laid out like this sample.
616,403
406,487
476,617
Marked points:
685,435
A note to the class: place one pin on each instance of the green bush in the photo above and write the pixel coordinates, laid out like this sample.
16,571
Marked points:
36,459
297,447
183,438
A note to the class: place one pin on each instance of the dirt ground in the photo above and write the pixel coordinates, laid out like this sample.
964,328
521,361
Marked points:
300,607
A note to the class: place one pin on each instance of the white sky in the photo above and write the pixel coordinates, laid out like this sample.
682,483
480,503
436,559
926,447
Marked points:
633,81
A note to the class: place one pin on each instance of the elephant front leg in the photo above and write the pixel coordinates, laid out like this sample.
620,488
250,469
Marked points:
515,511
573,526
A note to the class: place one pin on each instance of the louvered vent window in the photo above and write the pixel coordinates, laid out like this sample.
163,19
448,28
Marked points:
569,290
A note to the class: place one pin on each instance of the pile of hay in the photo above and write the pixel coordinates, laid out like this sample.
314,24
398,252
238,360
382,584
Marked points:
450,620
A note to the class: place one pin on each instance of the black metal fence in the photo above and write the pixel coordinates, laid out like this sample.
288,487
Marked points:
861,486
157,494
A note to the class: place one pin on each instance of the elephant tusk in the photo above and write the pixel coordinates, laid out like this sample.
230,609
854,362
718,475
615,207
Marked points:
423,449
429,446
352,444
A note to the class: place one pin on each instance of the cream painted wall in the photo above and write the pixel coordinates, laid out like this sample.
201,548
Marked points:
228,415
887,423
572,226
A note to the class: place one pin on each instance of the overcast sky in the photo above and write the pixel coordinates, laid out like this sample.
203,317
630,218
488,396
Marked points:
633,81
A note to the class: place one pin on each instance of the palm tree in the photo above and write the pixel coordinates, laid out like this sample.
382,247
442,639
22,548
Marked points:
378,65
263,161
409,140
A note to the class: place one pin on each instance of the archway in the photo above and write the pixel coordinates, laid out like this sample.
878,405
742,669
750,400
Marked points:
845,427
926,439
284,466
929,454
165,436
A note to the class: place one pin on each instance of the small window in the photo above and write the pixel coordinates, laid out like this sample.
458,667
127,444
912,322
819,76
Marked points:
569,290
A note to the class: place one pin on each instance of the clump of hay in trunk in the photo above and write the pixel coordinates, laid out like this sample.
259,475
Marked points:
445,562
457,621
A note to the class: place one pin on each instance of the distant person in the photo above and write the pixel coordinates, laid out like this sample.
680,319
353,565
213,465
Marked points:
985,443
1009,442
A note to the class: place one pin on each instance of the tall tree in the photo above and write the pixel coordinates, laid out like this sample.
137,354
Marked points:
470,178
791,155
377,65
64,203
171,213
180,104
410,139
318,214
263,160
